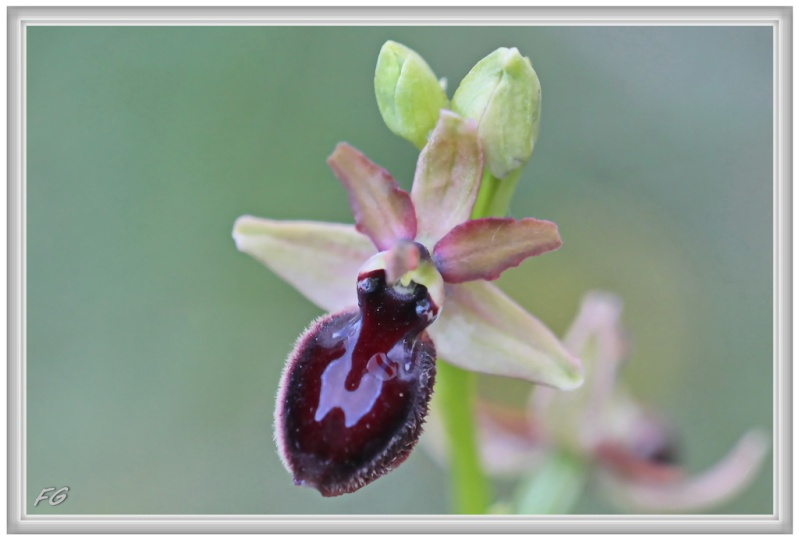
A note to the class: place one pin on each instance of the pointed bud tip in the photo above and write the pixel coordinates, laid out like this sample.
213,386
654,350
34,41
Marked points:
408,93
503,92
512,60
398,49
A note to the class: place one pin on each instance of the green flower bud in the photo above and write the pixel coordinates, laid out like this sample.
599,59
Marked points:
503,94
408,94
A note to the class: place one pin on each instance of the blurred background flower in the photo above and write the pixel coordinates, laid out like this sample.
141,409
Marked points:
153,347
600,433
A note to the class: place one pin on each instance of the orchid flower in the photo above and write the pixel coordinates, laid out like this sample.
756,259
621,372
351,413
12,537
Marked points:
629,449
407,284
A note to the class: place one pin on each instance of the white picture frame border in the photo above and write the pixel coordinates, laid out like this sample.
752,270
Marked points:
779,18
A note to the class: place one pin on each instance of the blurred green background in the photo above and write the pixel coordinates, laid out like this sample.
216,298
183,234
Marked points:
154,347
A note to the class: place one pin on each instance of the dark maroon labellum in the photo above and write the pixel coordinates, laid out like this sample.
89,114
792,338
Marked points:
356,387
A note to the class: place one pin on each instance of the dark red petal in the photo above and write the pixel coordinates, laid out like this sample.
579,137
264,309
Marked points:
355,389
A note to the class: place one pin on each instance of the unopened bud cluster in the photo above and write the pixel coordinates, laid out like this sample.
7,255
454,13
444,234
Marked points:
501,93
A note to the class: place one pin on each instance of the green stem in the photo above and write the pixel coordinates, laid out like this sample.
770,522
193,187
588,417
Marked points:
456,388
495,194
455,393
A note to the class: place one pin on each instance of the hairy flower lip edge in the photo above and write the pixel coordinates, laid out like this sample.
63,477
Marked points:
399,446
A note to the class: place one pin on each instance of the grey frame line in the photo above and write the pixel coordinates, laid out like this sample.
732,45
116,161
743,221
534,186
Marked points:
779,18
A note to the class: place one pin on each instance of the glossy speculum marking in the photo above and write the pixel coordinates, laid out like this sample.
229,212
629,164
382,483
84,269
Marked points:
356,388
